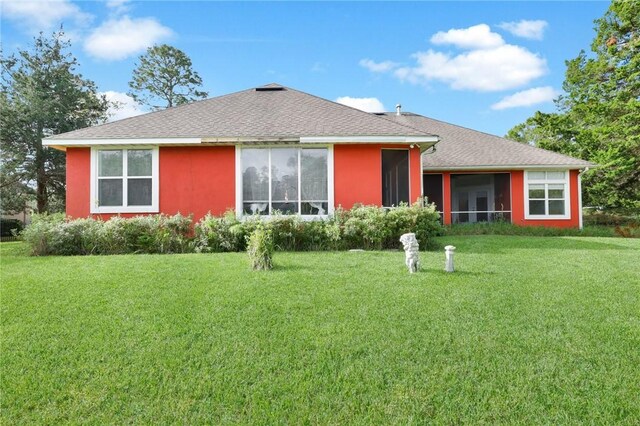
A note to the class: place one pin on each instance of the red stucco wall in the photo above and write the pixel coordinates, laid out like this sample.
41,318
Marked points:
358,174
517,206
196,180
193,180
78,180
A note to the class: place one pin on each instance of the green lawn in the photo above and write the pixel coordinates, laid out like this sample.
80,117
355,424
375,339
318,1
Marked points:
528,330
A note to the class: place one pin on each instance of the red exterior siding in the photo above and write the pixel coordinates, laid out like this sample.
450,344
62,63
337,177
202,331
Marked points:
78,181
358,174
196,180
193,180
517,206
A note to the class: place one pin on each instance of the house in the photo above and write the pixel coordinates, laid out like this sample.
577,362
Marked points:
275,148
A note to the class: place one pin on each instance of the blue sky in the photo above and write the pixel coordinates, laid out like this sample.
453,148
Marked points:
483,65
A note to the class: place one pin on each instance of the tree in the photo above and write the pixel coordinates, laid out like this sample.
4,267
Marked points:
165,74
598,117
42,95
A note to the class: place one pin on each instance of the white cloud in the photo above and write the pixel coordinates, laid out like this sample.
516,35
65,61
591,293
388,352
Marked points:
486,64
527,29
378,66
37,16
501,68
527,98
118,6
476,37
364,104
120,38
126,106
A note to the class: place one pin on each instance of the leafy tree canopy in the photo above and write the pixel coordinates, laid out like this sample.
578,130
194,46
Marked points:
164,78
598,117
42,95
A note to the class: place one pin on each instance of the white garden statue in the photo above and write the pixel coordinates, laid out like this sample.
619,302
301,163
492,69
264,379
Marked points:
411,253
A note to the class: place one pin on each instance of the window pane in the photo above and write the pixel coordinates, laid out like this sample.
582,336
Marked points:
109,163
395,177
255,208
536,207
285,208
313,178
109,192
255,175
284,175
556,207
555,175
536,175
315,208
139,192
139,162
556,191
536,191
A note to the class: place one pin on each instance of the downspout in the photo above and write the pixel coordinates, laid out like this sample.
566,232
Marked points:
580,225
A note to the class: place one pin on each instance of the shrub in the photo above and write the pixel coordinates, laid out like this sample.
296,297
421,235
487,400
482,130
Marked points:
219,234
10,227
371,227
260,248
367,227
53,234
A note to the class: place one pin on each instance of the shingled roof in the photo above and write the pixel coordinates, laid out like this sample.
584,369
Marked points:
462,148
270,112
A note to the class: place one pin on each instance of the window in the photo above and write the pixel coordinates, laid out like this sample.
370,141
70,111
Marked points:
286,180
124,180
546,195
395,177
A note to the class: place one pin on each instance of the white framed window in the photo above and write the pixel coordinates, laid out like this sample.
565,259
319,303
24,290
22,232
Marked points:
289,180
546,194
124,180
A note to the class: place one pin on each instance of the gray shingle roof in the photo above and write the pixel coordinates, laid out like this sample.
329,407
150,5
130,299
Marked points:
462,148
254,113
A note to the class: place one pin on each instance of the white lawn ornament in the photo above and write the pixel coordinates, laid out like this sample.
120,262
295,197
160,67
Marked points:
411,253
448,258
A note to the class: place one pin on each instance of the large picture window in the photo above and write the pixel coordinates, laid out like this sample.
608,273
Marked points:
546,195
124,180
285,180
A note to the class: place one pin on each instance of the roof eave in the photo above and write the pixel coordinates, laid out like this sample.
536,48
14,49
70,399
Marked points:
509,167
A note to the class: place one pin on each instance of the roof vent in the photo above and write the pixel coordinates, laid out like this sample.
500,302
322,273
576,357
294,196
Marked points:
398,109
269,88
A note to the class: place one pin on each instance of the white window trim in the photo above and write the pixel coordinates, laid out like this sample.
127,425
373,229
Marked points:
330,189
567,195
94,208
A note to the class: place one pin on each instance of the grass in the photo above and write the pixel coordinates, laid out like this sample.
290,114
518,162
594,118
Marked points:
528,330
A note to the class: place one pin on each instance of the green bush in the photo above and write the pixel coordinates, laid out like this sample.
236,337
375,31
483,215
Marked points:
371,227
260,248
55,235
367,227
10,227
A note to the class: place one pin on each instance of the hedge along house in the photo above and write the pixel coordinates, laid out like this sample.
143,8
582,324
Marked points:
477,177
256,151
275,148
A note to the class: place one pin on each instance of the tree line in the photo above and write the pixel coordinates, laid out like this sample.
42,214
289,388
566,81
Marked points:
598,116
44,94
